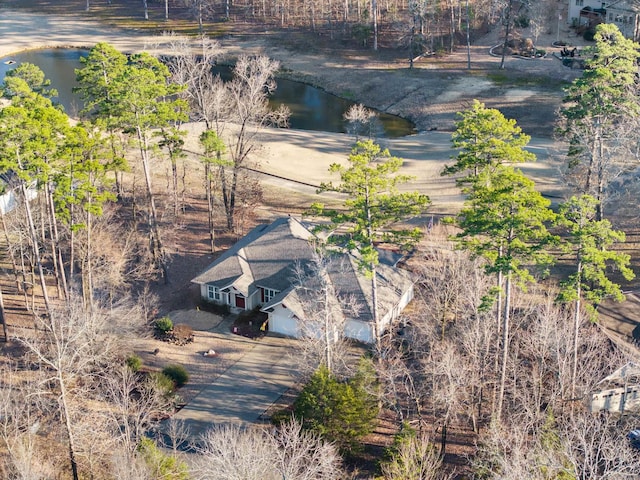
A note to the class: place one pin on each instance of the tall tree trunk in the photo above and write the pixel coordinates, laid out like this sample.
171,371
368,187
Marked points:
207,186
374,14
17,272
229,196
64,408
157,248
327,324
28,306
174,175
146,9
600,178
55,245
468,37
576,329
36,252
72,247
87,285
166,10
505,344
452,26
507,31
3,318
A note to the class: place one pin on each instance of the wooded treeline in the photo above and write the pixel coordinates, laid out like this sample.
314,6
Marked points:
427,25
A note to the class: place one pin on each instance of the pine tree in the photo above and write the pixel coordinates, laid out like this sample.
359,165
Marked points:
373,206
504,221
599,106
485,139
588,240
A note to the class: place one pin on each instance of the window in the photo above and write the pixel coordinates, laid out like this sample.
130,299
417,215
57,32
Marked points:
579,3
268,294
213,293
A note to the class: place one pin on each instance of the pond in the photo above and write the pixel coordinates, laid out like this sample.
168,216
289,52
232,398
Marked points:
311,108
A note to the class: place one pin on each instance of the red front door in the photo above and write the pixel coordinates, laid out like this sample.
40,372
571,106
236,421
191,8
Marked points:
240,301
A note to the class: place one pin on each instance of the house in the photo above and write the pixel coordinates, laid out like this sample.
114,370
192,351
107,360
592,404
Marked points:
9,192
260,271
623,13
620,391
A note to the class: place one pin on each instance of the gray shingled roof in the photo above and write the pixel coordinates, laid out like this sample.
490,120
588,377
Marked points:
263,258
353,291
267,256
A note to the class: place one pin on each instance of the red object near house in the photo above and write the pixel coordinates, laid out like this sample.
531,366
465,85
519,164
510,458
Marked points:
240,301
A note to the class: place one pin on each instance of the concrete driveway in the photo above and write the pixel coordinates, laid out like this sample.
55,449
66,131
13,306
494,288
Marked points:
245,390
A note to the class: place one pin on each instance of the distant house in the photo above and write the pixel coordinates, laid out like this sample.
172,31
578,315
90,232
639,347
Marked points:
259,270
619,392
9,198
623,13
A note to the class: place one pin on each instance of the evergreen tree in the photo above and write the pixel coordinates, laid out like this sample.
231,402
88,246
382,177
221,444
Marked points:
588,241
504,222
599,107
342,412
133,94
373,206
485,138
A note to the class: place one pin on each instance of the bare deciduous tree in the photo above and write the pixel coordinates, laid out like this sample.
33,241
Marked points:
234,453
322,331
250,112
362,122
596,447
72,348
20,423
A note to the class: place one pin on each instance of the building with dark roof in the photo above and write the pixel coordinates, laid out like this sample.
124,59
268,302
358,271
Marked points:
262,269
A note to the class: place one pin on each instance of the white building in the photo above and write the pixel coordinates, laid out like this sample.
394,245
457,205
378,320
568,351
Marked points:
620,391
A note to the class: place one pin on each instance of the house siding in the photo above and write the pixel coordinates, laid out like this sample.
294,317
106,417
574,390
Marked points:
618,400
254,300
228,297
356,330
283,321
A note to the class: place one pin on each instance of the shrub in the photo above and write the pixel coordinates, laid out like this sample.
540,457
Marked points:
164,383
361,33
341,412
177,373
164,325
522,21
134,362
213,307
412,456
162,465
182,333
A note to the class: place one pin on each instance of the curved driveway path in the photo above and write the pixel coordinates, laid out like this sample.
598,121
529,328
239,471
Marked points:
246,389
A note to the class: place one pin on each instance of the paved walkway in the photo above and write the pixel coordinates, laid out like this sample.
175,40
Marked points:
242,393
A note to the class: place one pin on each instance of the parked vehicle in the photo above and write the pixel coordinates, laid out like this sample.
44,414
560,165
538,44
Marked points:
634,438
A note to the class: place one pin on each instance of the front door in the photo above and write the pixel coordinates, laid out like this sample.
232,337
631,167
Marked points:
240,301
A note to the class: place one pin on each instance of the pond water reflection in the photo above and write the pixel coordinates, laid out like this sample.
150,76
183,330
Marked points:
311,108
